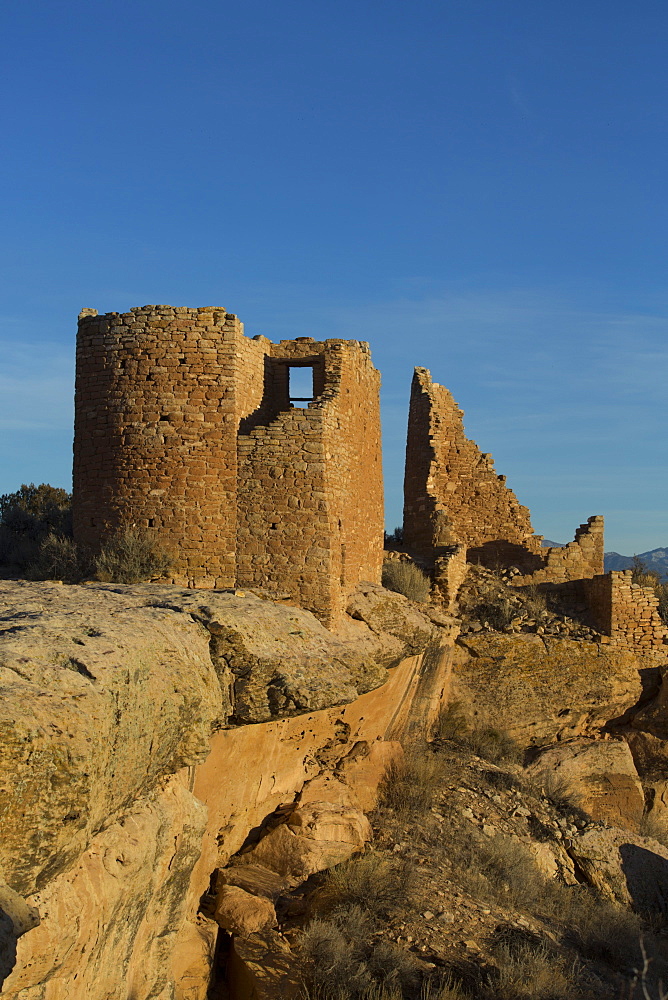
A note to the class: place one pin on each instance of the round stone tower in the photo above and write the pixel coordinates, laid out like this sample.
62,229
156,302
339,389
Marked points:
156,413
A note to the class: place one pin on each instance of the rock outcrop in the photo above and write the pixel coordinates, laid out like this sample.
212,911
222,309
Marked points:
146,730
159,742
629,869
544,689
599,776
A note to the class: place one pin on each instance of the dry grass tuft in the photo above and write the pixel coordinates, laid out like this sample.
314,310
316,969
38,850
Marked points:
131,556
406,578
411,783
492,743
531,970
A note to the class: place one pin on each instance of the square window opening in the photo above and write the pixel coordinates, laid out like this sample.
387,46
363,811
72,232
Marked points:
300,385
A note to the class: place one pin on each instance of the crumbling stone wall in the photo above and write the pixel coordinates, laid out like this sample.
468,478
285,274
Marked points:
185,427
581,559
449,574
452,493
626,612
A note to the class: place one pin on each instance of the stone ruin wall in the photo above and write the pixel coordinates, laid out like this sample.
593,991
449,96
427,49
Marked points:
452,495
310,479
457,508
450,486
154,441
581,559
184,427
626,612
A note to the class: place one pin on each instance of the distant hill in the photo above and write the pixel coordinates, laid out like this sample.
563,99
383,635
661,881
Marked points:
655,559
547,544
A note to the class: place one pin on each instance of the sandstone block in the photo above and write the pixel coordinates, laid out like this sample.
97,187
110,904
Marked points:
629,869
316,836
242,913
601,777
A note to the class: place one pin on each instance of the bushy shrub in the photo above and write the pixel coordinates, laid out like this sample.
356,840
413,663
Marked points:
339,961
529,969
410,782
369,882
57,558
395,537
501,868
599,928
498,614
30,506
131,556
649,578
406,578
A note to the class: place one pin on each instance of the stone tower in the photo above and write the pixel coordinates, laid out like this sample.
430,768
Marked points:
189,429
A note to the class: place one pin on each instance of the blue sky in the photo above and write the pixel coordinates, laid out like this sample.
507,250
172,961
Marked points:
476,187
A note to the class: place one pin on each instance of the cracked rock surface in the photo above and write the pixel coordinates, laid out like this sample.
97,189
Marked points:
107,688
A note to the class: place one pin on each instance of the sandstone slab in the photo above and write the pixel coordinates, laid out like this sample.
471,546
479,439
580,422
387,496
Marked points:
599,775
315,837
542,689
99,699
108,926
630,869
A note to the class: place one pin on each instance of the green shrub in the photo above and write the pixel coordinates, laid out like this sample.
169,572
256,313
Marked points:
131,556
28,518
32,504
649,578
406,578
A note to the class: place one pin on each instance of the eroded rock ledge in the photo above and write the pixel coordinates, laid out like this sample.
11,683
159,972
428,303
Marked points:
146,729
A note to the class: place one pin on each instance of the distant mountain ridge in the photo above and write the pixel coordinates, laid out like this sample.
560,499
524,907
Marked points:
655,559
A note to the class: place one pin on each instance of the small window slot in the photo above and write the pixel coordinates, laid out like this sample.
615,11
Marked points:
300,385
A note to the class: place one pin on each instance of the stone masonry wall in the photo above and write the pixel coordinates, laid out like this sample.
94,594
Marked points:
155,431
310,486
452,493
581,559
626,612
184,427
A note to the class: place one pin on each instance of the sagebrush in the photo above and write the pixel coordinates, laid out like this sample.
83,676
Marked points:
131,556
406,578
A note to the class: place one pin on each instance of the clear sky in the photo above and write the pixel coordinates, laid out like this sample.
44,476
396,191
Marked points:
475,187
